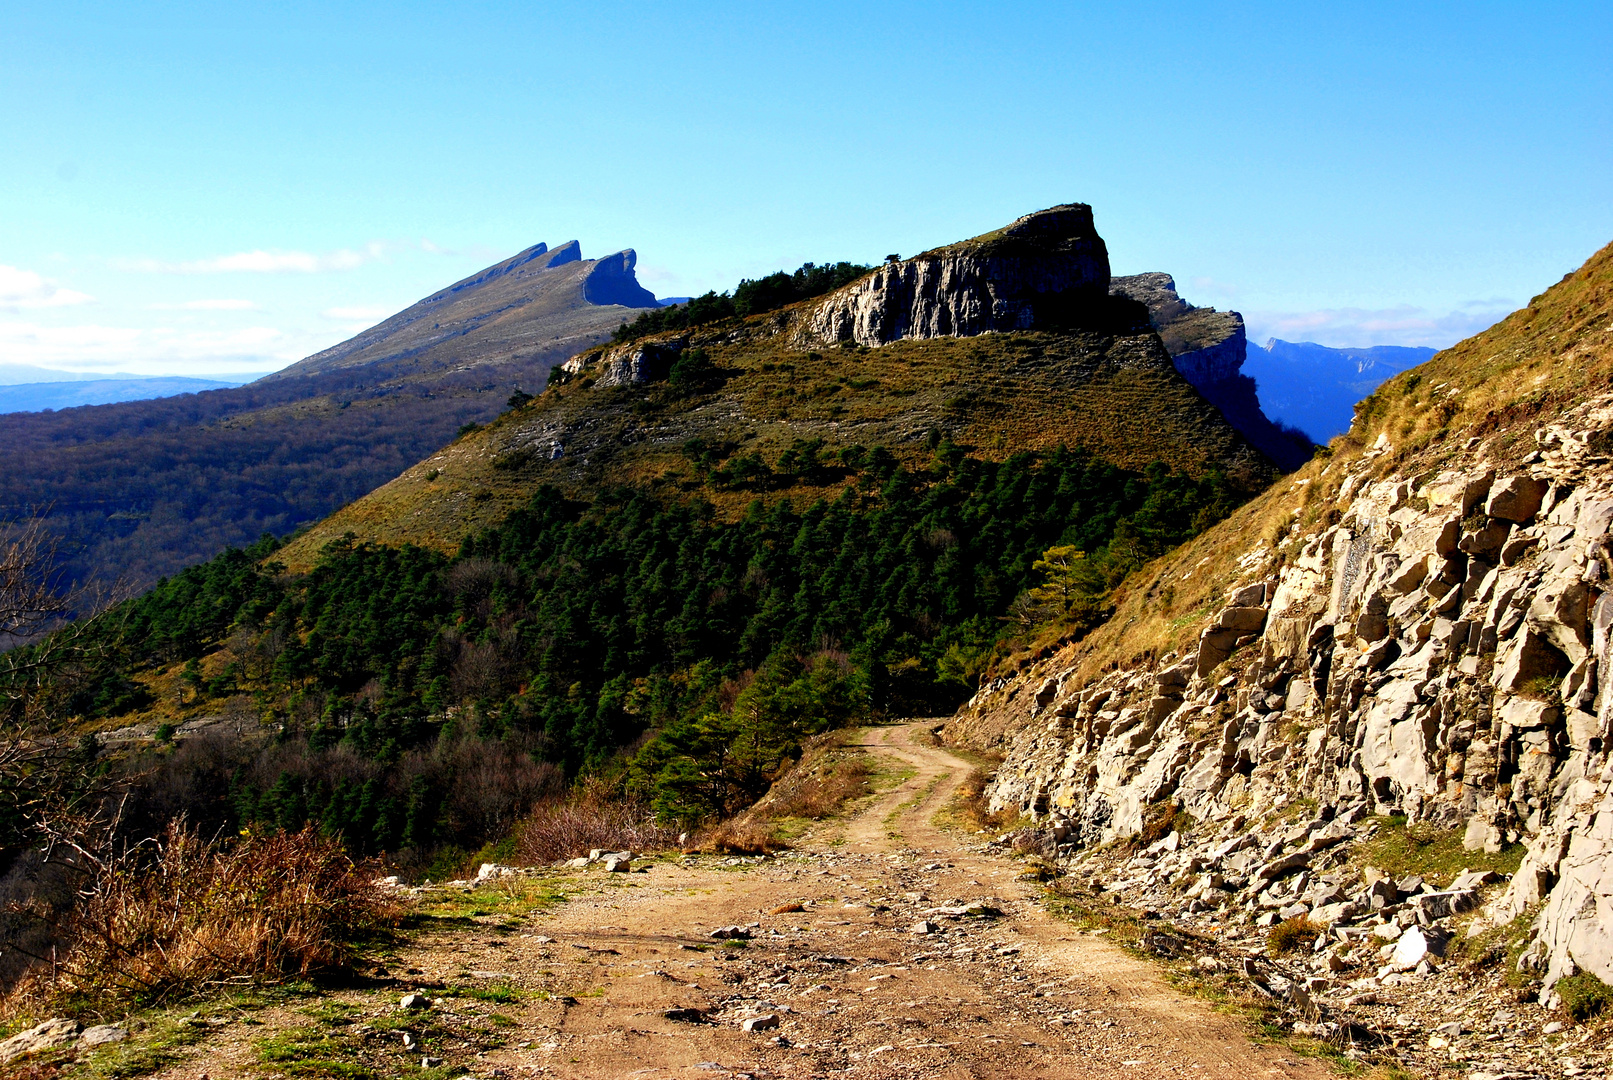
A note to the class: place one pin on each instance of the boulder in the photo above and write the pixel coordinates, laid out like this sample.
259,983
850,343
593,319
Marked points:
1474,879
1410,949
1245,620
1487,540
760,1023
1531,656
1515,498
1408,576
1430,907
46,1036
414,1001
1215,645
102,1035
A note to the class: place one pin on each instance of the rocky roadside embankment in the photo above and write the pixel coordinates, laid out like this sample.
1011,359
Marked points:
1422,670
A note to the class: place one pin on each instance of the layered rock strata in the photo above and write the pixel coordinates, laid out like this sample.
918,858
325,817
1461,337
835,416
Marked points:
1438,648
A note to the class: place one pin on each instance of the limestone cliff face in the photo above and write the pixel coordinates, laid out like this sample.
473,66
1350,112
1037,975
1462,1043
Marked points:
1048,270
1439,646
1209,348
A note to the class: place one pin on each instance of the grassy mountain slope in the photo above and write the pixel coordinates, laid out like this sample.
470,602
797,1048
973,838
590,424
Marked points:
1497,385
995,395
140,489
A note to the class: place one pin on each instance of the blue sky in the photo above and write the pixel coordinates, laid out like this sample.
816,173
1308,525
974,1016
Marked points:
205,188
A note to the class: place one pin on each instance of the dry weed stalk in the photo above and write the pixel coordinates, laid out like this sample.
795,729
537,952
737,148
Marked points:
163,920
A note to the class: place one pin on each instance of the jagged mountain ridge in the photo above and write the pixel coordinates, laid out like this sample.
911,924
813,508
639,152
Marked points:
1080,368
139,489
1416,624
536,300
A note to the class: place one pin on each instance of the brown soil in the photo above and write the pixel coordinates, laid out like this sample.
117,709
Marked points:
857,992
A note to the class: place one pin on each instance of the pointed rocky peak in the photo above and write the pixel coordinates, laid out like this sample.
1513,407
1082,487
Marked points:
611,281
569,252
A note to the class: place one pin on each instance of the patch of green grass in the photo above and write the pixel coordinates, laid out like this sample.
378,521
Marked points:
1437,855
309,1052
157,1044
334,1013
497,993
509,900
1584,996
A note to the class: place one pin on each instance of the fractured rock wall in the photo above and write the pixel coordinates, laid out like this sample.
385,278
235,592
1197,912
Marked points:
1441,650
1046,270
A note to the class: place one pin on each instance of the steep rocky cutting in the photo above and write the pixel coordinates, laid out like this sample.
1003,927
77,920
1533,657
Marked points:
1399,655
1209,348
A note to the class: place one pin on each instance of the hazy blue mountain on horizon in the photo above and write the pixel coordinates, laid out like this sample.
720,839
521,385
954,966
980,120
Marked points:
39,396
1316,387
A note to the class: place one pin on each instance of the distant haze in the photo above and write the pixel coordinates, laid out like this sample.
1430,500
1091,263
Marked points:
1315,388
89,390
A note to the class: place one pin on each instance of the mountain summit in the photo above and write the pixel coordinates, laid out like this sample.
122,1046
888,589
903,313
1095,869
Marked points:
537,301
1004,344
140,489
1047,270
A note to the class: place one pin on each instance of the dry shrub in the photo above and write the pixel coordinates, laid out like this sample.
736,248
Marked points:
258,909
970,800
570,827
826,778
1291,934
739,836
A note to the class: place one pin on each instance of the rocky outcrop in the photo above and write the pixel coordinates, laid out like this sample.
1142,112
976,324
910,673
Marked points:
1439,648
1048,270
626,365
1209,348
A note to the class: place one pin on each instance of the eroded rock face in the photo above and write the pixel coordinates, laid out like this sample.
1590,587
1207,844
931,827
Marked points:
1440,652
1047,270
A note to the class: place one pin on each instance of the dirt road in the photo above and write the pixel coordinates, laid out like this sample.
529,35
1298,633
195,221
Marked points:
585,987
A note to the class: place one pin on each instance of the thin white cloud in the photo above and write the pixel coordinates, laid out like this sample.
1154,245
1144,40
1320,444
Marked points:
87,347
26,289
206,305
1359,327
360,314
262,262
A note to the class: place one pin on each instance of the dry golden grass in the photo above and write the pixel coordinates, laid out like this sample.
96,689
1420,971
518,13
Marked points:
259,909
1496,386
997,395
